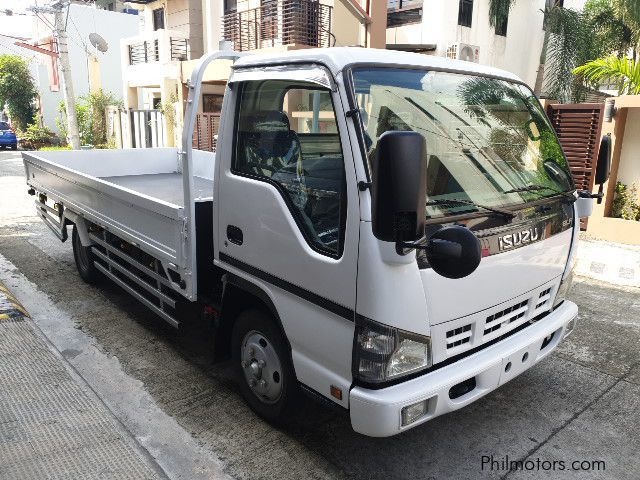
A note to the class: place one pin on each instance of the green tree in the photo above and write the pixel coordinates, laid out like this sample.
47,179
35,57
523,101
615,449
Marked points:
624,73
17,90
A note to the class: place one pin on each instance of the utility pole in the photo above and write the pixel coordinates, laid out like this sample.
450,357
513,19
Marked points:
58,10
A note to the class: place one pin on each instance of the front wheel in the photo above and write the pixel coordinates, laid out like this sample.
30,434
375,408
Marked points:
263,367
84,259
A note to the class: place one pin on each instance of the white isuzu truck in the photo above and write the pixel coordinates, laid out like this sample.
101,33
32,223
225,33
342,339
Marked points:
391,232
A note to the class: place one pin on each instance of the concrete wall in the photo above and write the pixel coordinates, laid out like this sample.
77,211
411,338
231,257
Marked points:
629,168
518,52
345,26
83,20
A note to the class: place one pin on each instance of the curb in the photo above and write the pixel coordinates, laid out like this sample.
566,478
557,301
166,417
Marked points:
609,262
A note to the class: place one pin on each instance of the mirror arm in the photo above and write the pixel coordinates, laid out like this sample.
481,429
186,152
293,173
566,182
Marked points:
435,247
588,194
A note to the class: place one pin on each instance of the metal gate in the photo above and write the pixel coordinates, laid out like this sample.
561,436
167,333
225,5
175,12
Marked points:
579,128
206,131
148,129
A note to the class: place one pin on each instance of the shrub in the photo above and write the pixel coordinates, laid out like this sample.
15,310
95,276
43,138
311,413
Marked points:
626,204
36,137
90,112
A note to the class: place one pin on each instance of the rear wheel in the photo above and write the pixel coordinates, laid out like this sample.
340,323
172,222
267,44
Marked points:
263,367
84,259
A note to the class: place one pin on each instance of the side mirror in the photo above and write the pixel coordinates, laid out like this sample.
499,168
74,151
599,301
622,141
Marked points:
454,252
399,187
603,166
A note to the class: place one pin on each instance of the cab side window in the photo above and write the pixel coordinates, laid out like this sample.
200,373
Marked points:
287,135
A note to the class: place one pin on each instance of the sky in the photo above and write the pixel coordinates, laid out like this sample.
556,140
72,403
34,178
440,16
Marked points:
17,25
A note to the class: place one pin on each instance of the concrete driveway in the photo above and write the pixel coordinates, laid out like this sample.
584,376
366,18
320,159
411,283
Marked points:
580,405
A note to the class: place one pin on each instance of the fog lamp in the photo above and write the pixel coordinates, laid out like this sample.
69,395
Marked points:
414,412
570,326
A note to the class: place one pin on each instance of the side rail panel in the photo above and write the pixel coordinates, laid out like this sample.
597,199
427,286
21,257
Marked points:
157,230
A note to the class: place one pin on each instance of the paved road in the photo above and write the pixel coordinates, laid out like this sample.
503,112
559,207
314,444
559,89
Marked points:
583,403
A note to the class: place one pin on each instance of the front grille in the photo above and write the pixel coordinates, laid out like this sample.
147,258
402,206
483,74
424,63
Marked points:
543,299
458,336
505,317
466,333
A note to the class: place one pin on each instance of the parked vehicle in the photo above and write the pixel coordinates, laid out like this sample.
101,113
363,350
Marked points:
8,137
391,232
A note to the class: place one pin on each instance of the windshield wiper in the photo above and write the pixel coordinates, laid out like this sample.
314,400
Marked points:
460,201
538,188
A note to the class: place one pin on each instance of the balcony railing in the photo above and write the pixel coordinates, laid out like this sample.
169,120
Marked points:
144,52
279,22
162,46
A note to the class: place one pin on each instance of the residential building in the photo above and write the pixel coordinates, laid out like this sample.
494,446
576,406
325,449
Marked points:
91,68
461,29
110,5
175,33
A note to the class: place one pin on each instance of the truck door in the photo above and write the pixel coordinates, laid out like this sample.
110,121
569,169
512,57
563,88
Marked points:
288,211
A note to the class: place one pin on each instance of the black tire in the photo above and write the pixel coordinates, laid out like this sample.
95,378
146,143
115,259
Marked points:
256,323
84,260
14,147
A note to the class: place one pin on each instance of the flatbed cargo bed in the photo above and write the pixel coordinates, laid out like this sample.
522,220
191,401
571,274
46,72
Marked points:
136,194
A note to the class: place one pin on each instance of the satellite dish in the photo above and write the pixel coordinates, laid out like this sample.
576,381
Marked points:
98,42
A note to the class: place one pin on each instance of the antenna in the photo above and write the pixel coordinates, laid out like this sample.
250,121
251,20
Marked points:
98,42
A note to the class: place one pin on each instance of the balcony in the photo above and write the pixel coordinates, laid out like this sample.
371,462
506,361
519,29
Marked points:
163,46
279,23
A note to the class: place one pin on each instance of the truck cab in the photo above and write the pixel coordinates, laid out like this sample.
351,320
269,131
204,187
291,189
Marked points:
391,232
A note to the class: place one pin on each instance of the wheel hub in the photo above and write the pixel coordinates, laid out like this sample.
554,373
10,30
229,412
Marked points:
261,367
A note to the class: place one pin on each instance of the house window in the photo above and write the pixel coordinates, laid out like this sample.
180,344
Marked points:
403,12
212,103
230,6
465,13
158,19
501,27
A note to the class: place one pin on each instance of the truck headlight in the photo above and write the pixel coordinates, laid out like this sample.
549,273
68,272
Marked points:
384,353
564,289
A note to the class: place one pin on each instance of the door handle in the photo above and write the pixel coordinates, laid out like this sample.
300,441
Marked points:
234,234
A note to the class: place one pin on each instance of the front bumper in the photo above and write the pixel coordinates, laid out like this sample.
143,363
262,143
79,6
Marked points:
377,413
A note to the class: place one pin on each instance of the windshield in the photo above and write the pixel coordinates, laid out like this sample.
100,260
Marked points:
487,139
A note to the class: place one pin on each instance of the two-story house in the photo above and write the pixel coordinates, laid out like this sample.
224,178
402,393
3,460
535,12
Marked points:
175,33
461,29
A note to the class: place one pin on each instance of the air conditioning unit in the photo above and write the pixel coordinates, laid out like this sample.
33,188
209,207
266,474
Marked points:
464,51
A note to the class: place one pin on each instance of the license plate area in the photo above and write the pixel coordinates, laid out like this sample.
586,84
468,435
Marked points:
518,362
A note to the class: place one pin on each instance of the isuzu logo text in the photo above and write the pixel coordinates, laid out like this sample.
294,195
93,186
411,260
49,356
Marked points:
517,239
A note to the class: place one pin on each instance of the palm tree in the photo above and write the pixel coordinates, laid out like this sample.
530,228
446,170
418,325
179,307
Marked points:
573,38
622,72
